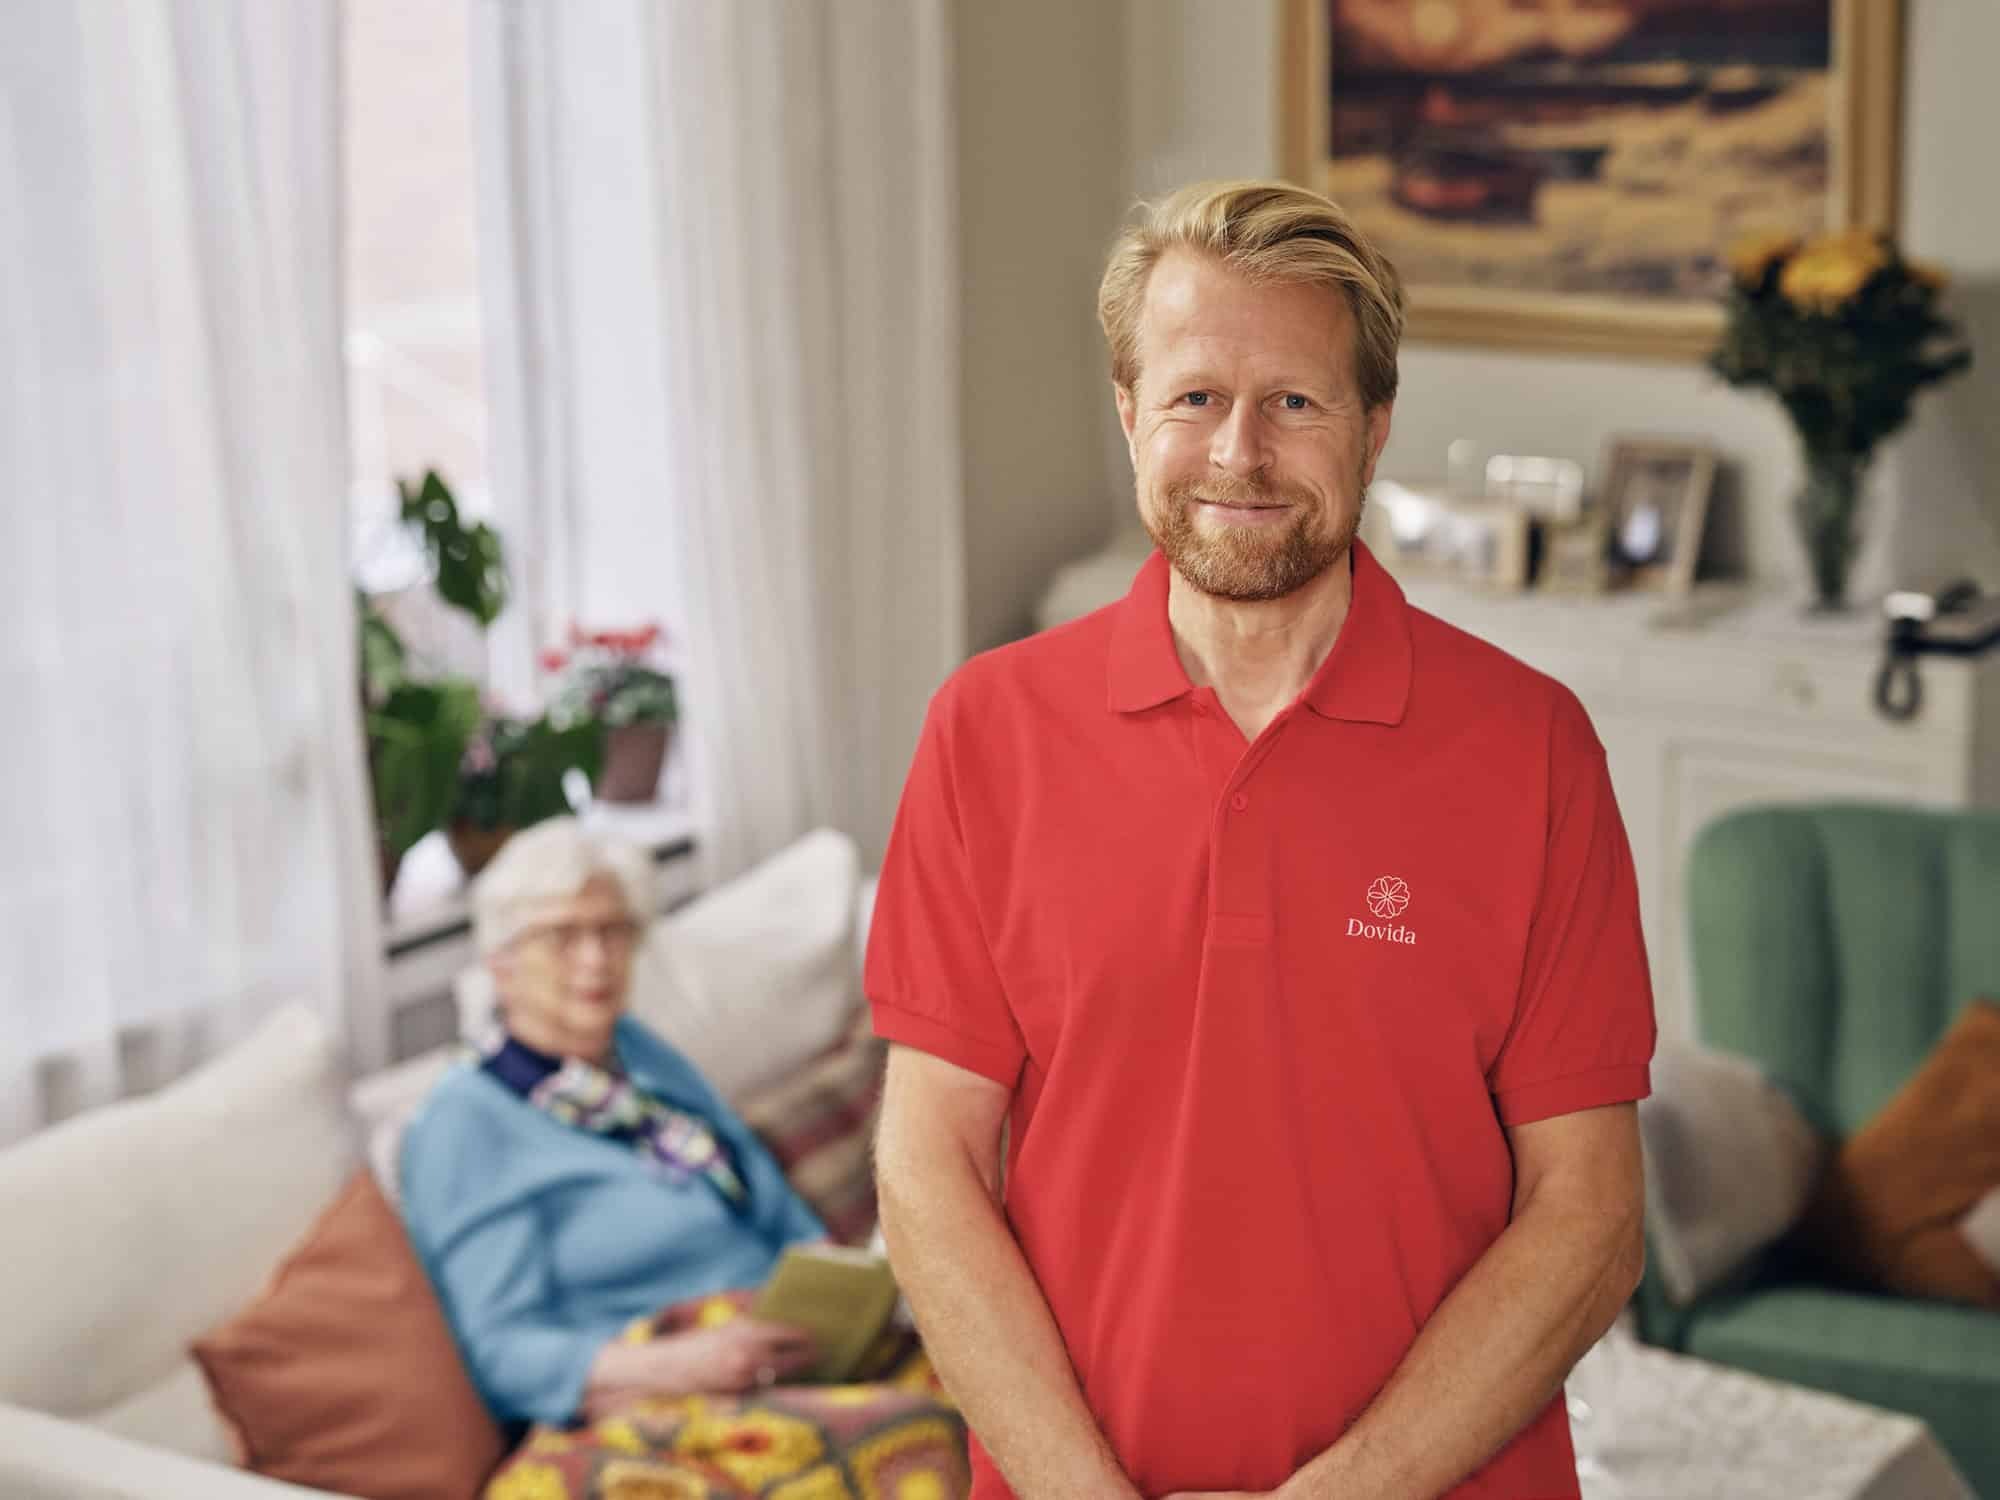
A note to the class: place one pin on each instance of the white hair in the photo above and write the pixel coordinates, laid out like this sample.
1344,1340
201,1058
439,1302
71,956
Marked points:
551,862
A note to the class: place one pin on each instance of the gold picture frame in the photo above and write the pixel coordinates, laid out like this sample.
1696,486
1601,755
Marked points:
1862,141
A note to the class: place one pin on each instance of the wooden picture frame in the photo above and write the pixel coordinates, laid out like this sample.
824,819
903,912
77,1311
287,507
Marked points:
1654,501
1861,143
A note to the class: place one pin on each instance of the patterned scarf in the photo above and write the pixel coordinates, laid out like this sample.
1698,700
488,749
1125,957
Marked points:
599,1101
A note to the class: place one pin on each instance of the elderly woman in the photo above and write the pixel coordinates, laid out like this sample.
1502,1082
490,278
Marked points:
578,1173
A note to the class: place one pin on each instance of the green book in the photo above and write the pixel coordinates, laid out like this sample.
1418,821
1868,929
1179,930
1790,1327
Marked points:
845,1296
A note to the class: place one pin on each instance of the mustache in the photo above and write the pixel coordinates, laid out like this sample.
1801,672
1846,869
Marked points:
1227,489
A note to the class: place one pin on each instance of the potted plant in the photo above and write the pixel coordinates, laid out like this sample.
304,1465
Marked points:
607,676
418,727
511,777
1844,331
417,733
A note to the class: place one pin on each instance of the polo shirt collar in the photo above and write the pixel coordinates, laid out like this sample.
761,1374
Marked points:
1365,677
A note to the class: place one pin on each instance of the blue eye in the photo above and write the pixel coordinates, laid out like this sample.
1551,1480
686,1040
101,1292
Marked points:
1295,402
1196,398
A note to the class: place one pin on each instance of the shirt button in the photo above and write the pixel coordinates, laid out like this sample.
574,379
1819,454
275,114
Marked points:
1201,707
1239,802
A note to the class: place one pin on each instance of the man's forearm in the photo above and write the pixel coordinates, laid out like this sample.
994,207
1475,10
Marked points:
1497,1349
989,1332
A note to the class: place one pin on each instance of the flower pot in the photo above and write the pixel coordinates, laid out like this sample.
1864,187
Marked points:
633,756
474,847
1826,513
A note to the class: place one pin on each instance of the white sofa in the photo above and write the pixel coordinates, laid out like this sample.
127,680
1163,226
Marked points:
129,1232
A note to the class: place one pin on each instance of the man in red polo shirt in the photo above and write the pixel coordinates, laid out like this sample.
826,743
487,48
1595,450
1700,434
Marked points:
1292,934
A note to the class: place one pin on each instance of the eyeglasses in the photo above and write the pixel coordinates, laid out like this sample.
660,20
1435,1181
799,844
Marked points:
614,936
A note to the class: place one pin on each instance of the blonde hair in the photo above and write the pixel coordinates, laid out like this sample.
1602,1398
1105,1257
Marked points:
1266,232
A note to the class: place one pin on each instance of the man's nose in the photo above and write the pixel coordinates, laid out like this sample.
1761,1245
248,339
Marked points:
1241,445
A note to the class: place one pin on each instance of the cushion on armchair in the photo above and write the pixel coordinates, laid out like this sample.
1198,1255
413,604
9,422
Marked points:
1730,1166
1890,1214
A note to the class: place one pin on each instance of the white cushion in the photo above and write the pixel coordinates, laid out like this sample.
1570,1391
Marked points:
47,1458
750,979
177,1414
134,1229
1730,1166
383,1104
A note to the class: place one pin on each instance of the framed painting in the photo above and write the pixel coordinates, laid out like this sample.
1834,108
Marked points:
1571,174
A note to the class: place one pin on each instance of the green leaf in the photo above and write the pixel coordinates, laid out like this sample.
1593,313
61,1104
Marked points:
416,739
467,562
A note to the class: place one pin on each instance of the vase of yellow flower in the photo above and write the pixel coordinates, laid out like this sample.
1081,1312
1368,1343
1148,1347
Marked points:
1844,331
1827,512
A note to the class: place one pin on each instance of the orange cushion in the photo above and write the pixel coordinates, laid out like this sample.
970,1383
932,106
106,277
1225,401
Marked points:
1888,1211
343,1376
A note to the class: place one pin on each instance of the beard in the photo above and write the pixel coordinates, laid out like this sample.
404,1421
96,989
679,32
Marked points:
1248,563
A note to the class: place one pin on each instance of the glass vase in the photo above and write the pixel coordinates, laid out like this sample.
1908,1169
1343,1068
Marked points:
1827,514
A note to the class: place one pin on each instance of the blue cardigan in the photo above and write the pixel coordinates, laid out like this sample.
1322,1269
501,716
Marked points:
544,1242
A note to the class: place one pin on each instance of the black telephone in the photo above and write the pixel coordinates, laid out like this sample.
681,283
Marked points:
1956,620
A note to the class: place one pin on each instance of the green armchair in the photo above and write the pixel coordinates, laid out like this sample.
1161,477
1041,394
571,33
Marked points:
1834,945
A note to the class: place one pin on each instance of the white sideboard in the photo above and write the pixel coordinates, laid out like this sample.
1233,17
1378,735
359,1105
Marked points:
1734,698
1729,698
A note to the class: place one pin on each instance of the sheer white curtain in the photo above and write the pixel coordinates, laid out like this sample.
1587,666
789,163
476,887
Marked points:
722,320
183,818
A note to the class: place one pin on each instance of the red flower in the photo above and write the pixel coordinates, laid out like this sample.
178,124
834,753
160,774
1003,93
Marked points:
554,659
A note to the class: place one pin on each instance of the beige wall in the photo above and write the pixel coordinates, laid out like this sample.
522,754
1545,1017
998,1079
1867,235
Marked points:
1041,174
1069,111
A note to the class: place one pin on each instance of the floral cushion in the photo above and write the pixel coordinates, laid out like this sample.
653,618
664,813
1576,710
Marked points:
896,1436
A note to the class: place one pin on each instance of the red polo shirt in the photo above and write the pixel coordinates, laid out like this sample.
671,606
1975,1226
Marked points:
1265,1007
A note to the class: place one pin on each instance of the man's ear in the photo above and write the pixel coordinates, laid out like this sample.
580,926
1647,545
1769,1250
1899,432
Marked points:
1128,414
1379,418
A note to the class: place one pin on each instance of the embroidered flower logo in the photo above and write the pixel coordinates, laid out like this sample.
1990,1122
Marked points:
1388,896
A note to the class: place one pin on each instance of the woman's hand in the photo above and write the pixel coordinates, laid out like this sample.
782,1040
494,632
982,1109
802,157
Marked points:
739,1355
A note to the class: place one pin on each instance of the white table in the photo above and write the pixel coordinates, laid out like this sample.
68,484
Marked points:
1650,1425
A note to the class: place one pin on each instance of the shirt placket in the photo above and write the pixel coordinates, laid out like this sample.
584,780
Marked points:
1241,824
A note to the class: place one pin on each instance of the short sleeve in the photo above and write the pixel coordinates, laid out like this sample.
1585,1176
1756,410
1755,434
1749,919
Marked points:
1583,1028
929,975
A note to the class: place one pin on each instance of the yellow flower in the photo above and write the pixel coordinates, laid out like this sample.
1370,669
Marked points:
529,1482
1928,273
911,1447
753,1447
823,1483
1752,257
1831,270
847,1395
622,1479
619,1435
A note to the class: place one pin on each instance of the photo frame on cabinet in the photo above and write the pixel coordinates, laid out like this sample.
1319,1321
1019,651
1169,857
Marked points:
1655,500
